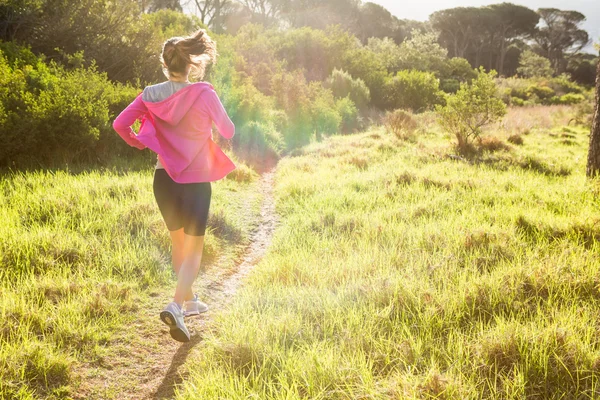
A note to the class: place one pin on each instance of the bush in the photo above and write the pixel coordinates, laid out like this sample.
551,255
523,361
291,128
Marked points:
571,98
343,85
401,123
471,108
325,118
348,113
413,90
543,93
461,70
50,114
562,84
257,141
532,65
515,101
450,85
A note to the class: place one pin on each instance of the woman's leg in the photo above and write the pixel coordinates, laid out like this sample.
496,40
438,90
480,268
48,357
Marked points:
189,269
178,255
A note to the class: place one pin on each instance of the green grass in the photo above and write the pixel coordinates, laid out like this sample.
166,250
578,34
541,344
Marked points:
400,272
79,253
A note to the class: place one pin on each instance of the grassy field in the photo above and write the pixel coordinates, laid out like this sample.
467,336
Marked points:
80,252
401,270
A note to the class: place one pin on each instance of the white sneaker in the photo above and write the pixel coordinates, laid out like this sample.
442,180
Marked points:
173,317
194,307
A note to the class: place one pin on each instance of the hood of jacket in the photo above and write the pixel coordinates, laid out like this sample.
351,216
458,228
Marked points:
172,109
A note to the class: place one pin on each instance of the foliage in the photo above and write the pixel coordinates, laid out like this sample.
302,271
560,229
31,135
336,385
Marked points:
560,36
348,113
257,142
50,113
343,85
474,106
387,52
484,35
532,65
460,69
423,53
413,90
401,123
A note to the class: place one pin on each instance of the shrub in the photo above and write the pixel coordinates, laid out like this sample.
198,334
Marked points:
471,108
515,139
519,93
422,52
493,144
50,114
257,141
461,70
251,105
541,92
414,90
401,123
563,84
515,101
360,63
343,85
325,118
348,113
450,85
571,98
532,65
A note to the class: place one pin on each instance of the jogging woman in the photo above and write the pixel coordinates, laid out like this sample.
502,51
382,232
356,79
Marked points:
177,118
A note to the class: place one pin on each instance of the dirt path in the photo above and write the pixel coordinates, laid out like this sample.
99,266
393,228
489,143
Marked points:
145,363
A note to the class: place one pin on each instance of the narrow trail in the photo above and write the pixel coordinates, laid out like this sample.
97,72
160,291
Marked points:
145,363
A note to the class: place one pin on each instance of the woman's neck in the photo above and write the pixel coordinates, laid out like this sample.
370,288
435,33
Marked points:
179,80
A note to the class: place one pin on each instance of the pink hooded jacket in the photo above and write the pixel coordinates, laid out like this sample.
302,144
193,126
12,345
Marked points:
179,130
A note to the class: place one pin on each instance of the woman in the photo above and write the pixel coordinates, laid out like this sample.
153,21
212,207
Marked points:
177,118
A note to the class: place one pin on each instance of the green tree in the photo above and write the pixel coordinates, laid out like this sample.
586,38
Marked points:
484,35
414,90
423,53
511,22
474,106
387,51
532,65
375,21
213,13
561,36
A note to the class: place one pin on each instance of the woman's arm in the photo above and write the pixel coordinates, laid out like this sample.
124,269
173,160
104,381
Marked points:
122,124
218,114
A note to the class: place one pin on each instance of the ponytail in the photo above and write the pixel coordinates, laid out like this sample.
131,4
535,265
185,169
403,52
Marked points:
197,50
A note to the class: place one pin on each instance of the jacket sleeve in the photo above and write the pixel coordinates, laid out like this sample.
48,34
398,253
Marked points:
122,124
218,114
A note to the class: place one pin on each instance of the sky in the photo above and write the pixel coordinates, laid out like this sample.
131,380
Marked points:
421,9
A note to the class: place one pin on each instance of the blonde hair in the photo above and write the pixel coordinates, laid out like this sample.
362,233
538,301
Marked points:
196,50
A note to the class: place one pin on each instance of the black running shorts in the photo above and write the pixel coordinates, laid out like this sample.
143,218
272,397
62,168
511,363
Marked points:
182,205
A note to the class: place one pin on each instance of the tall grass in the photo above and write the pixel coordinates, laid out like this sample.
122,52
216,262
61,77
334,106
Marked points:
79,252
399,271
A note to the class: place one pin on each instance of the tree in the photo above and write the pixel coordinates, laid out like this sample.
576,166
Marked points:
155,5
423,53
532,65
561,37
455,26
476,32
265,12
511,22
212,13
593,162
474,106
375,21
